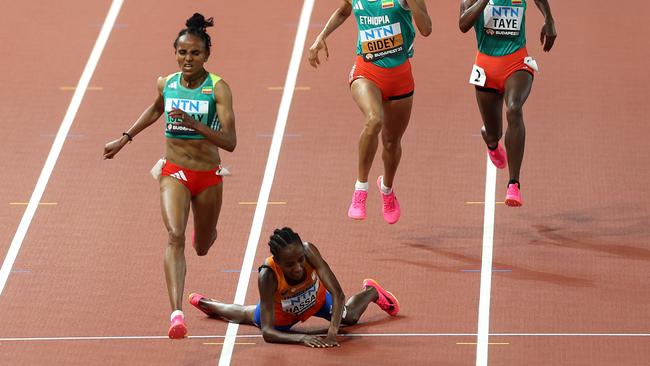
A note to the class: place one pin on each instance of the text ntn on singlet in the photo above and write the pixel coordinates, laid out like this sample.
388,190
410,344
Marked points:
501,29
386,31
199,103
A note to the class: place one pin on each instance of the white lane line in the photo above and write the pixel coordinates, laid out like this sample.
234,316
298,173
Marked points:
483,331
52,157
269,174
360,335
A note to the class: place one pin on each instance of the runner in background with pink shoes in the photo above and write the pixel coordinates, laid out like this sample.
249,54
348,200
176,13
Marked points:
382,85
295,283
503,72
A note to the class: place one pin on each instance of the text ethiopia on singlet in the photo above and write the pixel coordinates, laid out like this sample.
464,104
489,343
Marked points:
374,20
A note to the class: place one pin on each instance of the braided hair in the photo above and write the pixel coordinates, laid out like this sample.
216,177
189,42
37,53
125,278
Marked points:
196,26
282,238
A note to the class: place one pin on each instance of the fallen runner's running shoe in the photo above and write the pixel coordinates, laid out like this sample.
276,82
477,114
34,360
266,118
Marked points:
386,300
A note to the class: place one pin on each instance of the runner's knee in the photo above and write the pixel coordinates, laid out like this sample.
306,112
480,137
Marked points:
391,142
201,251
514,112
202,247
374,123
176,238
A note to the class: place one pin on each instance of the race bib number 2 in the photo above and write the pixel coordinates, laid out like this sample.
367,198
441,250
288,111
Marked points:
478,76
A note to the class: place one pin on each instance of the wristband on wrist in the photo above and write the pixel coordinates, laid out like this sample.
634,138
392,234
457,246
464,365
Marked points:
129,137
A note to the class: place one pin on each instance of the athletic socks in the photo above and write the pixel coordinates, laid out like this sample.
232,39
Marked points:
176,313
361,186
385,190
514,181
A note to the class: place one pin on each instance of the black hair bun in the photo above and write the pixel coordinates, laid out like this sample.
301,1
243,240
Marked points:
198,21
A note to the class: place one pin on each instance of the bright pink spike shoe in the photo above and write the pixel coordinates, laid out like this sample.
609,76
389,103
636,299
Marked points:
194,300
177,330
513,196
499,157
386,300
357,210
390,208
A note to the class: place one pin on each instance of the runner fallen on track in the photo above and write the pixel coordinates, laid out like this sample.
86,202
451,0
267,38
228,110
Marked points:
503,72
295,283
382,85
199,120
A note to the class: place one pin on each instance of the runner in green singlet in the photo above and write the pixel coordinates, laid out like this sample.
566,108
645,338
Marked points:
503,72
199,120
382,85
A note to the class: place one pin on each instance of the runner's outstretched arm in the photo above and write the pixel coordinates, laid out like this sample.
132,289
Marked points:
332,284
338,17
146,119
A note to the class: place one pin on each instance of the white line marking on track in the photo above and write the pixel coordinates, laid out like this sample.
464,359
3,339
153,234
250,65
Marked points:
379,335
269,173
483,331
57,145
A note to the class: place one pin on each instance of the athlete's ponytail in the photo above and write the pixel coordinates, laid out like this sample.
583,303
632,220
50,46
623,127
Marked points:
196,25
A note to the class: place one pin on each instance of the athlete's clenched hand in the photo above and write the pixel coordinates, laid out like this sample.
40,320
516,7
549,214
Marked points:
113,147
182,118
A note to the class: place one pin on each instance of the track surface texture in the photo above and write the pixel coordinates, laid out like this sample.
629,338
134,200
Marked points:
570,280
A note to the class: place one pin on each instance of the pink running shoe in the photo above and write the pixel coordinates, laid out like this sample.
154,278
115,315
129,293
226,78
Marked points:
499,157
513,196
357,210
386,300
194,300
177,330
390,208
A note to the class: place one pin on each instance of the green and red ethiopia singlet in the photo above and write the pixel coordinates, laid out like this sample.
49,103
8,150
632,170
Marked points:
385,31
199,103
501,29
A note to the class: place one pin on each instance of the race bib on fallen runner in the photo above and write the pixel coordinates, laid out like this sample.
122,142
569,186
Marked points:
478,76
377,43
502,21
299,303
